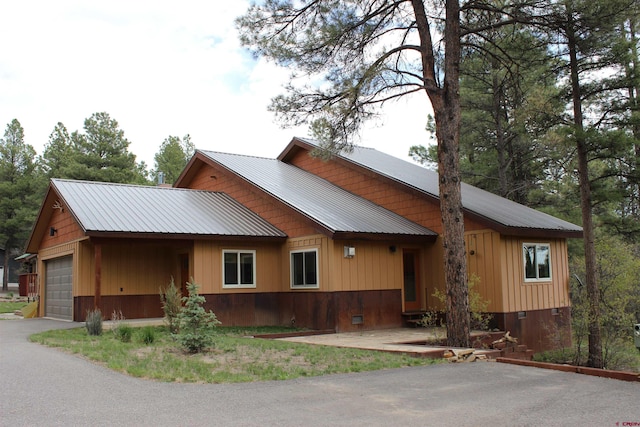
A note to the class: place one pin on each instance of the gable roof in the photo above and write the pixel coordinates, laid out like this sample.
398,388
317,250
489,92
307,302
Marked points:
339,212
505,215
107,209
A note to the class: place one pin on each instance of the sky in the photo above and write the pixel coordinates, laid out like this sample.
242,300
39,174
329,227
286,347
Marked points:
159,68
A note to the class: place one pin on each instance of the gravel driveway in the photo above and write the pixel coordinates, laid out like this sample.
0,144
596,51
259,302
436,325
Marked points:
43,386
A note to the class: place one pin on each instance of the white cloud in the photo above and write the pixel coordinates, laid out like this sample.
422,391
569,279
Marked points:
159,68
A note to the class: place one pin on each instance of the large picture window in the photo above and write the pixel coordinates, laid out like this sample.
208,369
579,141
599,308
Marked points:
304,269
537,262
239,268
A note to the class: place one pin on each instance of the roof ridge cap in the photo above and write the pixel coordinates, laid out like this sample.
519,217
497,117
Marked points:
237,155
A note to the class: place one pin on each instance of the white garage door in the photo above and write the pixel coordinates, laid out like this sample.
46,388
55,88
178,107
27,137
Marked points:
58,301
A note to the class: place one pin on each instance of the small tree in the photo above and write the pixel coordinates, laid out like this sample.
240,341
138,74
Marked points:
196,324
171,299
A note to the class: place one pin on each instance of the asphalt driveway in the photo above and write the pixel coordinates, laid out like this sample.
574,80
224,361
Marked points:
43,386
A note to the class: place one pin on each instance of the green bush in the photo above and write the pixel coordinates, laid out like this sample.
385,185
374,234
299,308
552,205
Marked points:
196,326
147,335
93,322
123,332
171,305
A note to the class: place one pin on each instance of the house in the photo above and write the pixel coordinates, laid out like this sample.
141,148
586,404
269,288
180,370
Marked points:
347,244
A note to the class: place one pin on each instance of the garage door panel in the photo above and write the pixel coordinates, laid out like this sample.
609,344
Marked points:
58,285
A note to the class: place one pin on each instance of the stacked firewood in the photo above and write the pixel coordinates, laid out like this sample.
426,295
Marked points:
463,355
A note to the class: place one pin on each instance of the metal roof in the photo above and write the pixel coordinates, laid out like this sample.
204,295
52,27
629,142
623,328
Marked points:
118,208
325,203
480,202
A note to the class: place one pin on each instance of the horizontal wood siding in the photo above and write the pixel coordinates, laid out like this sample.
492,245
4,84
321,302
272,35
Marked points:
523,296
396,197
207,266
276,213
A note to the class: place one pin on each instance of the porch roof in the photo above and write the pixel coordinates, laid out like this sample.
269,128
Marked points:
506,215
339,212
119,209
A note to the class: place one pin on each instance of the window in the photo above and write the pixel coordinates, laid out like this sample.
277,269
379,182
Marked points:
537,262
304,269
238,268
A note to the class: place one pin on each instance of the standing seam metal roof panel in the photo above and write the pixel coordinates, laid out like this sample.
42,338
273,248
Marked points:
108,207
333,207
476,200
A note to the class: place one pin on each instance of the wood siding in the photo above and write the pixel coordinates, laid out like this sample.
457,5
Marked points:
519,295
67,229
276,213
393,196
483,261
207,266
374,266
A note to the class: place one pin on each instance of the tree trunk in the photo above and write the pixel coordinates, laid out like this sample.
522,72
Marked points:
446,107
447,119
593,293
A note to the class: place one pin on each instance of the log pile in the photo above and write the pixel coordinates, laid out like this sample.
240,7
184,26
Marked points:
464,355
507,339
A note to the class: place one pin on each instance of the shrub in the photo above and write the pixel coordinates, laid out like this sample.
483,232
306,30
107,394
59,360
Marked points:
171,305
148,335
479,318
122,331
93,322
196,326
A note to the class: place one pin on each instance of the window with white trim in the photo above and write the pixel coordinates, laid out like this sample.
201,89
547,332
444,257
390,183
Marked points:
304,269
537,262
238,269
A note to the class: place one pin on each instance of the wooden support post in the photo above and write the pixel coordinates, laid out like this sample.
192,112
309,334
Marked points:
98,270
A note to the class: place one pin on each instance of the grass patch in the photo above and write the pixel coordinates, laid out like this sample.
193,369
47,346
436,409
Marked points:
11,306
236,357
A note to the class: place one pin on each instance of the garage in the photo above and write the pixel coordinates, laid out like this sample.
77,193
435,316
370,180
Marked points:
58,288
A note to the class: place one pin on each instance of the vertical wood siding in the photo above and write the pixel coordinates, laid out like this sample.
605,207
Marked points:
483,255
523,296
374,267
207,266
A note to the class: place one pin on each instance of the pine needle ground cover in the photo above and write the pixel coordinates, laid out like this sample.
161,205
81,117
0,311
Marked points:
235,356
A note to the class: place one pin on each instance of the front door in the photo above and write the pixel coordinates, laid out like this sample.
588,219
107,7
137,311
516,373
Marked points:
411,281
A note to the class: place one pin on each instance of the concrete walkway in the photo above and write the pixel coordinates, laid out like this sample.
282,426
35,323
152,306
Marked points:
45,387
405,340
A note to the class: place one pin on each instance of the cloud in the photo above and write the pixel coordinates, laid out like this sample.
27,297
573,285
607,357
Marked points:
159,68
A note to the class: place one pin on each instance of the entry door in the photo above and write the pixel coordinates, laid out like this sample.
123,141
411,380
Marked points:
411,281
